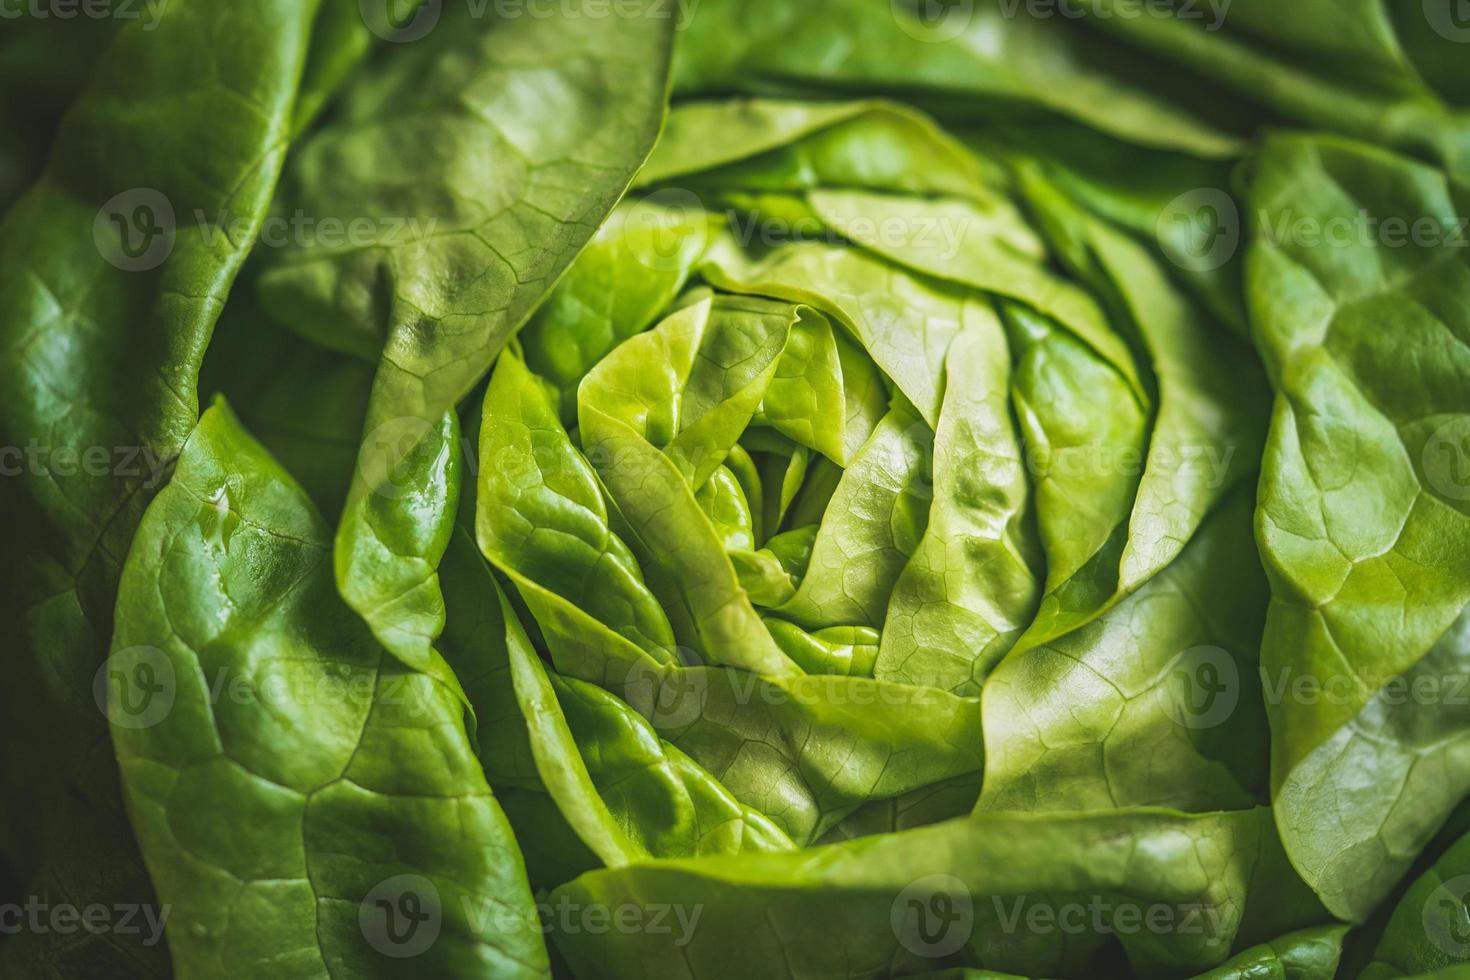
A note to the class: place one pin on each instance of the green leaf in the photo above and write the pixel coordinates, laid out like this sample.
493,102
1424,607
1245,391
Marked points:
804,750
872,525
1310,954
114,266
1157,702
905,324
303,402
1363,524
1426,932
477,205
667,802
723,501
1085,436
320,776
523,738
849,650
988,248
970,587
1207,429
1343,66
1148,193
629,273
387,549
625,793
983,881
657,417
780,145
972,57
806,399
541,518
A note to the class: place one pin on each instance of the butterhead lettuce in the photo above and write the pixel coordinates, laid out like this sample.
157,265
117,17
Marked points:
737,488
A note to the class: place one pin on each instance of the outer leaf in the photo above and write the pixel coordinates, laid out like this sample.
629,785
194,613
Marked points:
1141,190
977,53
978,879
452,134
276,822
106,305
1363,524
1338,65
1426,932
